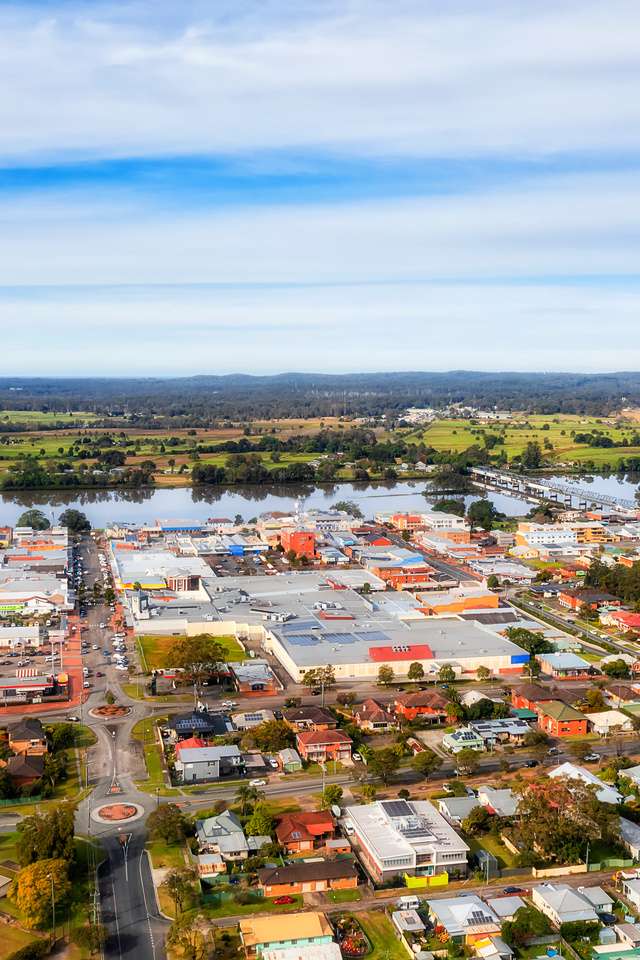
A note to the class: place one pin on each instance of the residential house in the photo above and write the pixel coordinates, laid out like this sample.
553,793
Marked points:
223,834
464,919
210,865
504,730
560,720
632,774
308,876
622,620
423,705
28,737
201,764
464,738
619,694
262,933
630,836
562,904
310,718
25,769
254,677
604,792
500,803
372,716
628,934
631,890
576,599
528,696
305,831
289,760
399,838
598,898
197,723
457,809
610,723
505,908
565,666
320,746
252,718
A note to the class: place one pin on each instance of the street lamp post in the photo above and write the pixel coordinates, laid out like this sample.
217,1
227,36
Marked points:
53,909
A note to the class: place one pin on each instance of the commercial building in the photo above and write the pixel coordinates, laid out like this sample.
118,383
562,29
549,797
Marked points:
401,837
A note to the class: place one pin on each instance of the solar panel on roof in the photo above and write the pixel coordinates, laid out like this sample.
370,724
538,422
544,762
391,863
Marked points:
397,808
373,636
477,916
303,639
298,626
338,637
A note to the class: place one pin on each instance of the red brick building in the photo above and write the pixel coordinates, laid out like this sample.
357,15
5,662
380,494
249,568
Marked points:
316,877
319,746
425,704
305,831
560,720
303,542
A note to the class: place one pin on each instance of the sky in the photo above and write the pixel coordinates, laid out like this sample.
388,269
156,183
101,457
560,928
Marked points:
268,185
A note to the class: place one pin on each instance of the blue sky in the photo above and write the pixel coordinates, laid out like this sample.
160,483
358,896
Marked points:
276,185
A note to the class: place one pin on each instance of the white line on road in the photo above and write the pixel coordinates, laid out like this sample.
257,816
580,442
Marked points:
144,897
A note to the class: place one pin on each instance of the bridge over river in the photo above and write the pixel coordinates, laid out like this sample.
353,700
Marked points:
536,489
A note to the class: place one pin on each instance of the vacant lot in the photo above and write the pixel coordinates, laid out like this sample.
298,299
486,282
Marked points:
154,651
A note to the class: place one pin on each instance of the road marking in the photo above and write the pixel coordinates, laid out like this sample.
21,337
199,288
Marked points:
144,897
115,917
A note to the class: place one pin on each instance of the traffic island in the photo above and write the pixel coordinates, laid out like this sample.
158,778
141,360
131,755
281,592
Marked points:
117,813
110,711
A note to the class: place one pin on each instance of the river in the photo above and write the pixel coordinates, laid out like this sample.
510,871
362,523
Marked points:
104,506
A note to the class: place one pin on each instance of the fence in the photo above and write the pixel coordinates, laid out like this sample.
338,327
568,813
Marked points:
20,802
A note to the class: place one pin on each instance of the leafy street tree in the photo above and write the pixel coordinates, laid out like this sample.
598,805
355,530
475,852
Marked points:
168,823
492,581
31,890
450,505
198,656
531,457
477,822
33,518
532,642
416,671
483,673
260,823
47,836
468,760
559,817
190,937
246,797
617,669
179,886
90,935
75,521
446,673
320,677
482,513
331,796
386,676
384,763
426,762
271,736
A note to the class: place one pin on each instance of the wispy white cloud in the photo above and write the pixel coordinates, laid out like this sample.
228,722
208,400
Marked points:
382,76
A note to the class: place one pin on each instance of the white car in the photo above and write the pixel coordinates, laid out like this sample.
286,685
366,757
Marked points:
273,763
356,756
94,646
121,666
257,783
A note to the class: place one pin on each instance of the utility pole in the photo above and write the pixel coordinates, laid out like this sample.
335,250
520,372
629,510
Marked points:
53,909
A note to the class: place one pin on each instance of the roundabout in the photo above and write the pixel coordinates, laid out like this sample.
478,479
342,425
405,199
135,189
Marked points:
113,711
115,813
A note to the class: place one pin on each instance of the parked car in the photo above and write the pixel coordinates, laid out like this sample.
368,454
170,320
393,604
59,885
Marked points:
552,752
508,891
72,718
592,758
257,783
531,763
284,899
273,763
356,756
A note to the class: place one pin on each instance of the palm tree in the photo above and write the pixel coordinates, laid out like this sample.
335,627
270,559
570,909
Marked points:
246,797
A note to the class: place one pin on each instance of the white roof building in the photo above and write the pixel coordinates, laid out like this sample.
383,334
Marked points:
609,721
605,793
561,904
403,836
463,915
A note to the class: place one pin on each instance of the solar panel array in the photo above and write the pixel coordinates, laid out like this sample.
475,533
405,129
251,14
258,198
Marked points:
373,636
298,626
339,637
303,639
397,808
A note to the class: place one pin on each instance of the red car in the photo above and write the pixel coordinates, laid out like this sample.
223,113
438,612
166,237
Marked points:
286,899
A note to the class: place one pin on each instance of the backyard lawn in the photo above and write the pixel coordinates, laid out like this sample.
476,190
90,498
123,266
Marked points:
382,935
229,908
166,854
344,896
493,845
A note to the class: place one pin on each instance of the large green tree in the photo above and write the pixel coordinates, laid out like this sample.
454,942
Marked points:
197,656
31,890
75,521
384,763
47,836
33,518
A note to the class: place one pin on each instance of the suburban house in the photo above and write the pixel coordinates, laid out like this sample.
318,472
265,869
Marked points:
200,764
197,723
504,730
399,838
576,599
423,705
305,831
628,934
25,769
610,722
223,834
505,908
631,890
604,792
28,737
560,720
562,904
316,876
371,715
464,919
310,718
630,836
618,694
564,665
500,803
457,809
252,718
528,696
289,760
464,738
320,746
260,933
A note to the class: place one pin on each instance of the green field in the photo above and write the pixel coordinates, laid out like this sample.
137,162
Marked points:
382,935
36,416
229,908
166,855
154,650
457,435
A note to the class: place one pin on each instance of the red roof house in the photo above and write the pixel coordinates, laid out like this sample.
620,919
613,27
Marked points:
192,743
305,831
318,746
426,704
